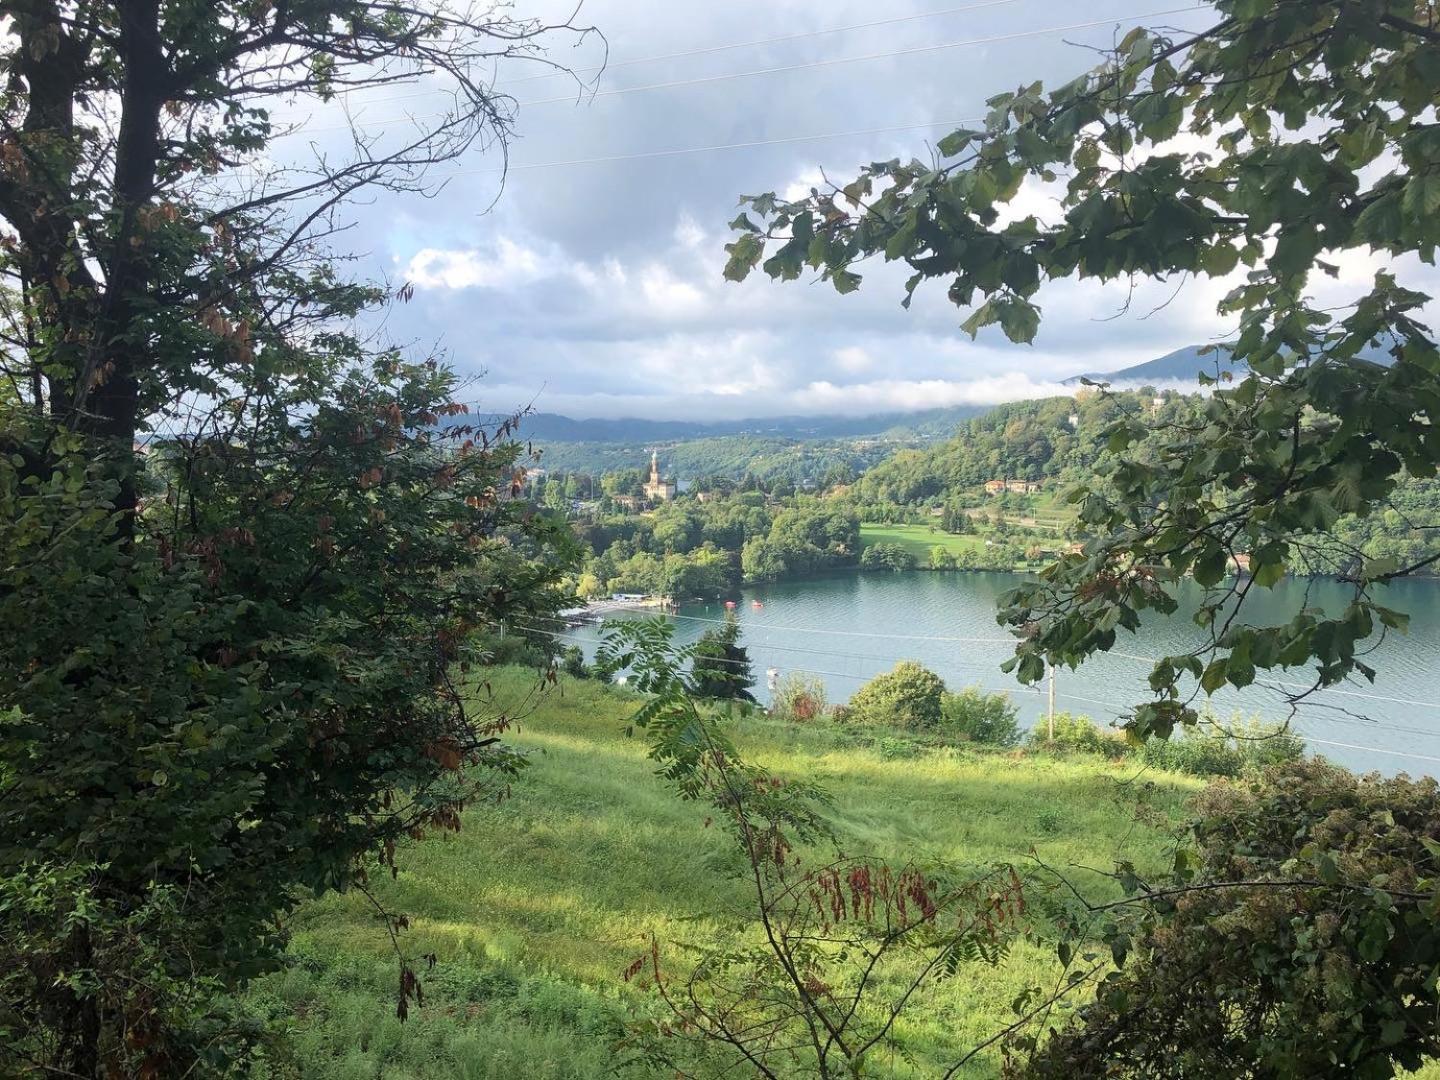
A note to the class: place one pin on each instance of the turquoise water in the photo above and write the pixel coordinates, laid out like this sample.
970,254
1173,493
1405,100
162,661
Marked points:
845,629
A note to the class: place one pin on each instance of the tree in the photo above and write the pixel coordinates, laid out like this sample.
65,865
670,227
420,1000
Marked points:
1286,108
907,696
803,997
886,556
721,666
244,561
980,717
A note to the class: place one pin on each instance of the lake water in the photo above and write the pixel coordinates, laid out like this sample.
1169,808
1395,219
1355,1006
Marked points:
845,629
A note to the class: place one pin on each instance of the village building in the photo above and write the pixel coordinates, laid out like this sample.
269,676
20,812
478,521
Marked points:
1013,487
656,488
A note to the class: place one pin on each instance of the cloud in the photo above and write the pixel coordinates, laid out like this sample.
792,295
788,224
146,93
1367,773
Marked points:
507,264
898,395
853,359
667,295
599,286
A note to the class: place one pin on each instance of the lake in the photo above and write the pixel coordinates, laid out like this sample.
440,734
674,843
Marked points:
845,629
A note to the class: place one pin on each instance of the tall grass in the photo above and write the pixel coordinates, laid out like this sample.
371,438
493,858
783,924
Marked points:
534,909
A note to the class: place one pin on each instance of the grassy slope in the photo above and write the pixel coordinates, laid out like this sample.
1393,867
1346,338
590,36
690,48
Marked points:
535,907
918,539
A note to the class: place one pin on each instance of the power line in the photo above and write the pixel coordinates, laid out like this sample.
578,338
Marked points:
686,150
1372,749
756,627
869,657
713,49
1304,686
854,633
787,68
782,39
1306,735
730,146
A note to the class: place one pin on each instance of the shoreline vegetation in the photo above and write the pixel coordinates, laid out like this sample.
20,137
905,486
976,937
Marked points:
994,497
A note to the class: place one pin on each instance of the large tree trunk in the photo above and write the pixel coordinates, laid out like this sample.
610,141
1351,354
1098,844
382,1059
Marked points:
107,397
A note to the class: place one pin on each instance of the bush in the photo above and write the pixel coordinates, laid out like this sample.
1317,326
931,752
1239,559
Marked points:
572,662
884,556
908,696
1323,967
979,717
1235,750
112,956
798,698
513,649
1078,733
1239,748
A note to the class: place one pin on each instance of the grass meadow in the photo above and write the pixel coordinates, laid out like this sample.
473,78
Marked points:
536,906
918,540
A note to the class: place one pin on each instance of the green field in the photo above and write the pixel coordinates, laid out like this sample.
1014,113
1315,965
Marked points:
918,539
536,906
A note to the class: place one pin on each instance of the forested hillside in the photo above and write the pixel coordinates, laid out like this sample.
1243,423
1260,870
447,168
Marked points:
768,459
1025,440
1060,443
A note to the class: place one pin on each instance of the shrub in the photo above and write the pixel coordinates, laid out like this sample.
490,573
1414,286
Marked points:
908,696
1049,820
1078,733
572,662
1196,754
979,717
1322,967
512,649
798,698
1233,750
1239,748
886,556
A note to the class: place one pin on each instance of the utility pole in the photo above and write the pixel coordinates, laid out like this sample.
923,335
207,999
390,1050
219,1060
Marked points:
1050,721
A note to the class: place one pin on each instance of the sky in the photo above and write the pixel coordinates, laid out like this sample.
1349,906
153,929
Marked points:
595,289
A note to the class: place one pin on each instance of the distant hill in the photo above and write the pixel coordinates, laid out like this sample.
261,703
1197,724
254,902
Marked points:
1182,365
552,427
1185,365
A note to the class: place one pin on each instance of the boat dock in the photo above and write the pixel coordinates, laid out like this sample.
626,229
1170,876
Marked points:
598,610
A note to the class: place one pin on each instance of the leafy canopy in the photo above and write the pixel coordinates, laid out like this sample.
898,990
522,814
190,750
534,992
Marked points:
244,550
1288,136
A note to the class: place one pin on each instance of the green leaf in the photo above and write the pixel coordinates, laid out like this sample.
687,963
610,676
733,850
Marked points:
956,141
1215,676
1380,223
1327,869
745,253
1269,574
1020,320
1422,194
1210,567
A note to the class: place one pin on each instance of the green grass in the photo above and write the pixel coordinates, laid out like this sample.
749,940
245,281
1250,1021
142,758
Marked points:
918,539
536,906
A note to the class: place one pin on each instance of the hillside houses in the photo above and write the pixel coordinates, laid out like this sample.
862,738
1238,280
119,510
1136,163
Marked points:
1011,487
